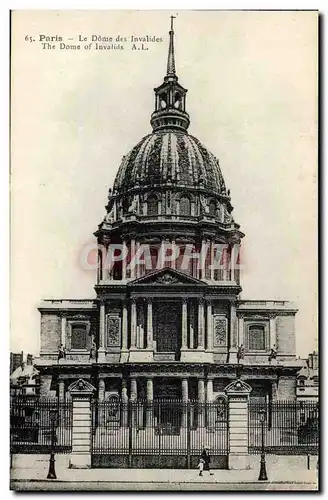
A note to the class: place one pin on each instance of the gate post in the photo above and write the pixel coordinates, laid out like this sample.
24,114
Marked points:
238,395
81,392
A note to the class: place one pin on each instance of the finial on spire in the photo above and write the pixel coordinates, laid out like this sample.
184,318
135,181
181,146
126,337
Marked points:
170,60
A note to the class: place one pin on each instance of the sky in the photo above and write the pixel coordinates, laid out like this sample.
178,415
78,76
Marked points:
252,98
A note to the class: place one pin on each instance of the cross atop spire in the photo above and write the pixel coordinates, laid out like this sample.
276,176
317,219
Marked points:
170,60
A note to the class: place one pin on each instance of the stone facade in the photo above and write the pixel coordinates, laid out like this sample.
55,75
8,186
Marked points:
178,327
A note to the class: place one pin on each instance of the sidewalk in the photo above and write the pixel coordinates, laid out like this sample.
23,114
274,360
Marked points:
34,478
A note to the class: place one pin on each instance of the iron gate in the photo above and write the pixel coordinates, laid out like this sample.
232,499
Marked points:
158,434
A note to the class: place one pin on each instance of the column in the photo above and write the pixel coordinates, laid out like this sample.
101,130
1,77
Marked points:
212,260
209,390
61,390
133,389
201,402
101,390
133,399
238,396
209,325
225,262
150,397
184,390
61,408
149,324
63,331
133,251
124,255
101,349
201,324
81,393
233,262
202,260
101,399
192,325
133,323
137,266
184,330
162,254
125,403
273,340
241,330
124,326
210,407
233,325
140,319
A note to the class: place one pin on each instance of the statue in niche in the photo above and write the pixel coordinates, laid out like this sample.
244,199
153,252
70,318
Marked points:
61,352
93,350
227,217
240,353
273,353
109,217
133,208
205,209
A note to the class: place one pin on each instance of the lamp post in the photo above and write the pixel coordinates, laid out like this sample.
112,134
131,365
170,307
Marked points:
263,474
52,472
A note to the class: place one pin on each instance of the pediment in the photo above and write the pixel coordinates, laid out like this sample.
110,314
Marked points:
81,386
167,276
238,387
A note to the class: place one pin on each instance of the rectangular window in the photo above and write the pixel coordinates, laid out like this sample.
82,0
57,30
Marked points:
256,338
79,337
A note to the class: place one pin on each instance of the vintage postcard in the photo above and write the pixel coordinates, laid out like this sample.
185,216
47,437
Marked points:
163,250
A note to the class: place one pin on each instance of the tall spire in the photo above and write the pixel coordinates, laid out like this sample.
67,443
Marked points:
170,59
170,97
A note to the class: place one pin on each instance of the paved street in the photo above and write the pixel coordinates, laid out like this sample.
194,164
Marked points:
284,473
158,486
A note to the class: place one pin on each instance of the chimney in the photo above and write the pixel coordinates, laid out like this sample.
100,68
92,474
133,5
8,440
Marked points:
315,358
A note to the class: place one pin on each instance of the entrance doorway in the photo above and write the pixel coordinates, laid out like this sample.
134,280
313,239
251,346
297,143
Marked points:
167,327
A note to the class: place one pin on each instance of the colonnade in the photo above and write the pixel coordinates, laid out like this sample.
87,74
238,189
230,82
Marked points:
138,339
206,262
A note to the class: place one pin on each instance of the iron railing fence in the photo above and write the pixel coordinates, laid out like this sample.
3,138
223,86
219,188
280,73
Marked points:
289,427
36,422
159,427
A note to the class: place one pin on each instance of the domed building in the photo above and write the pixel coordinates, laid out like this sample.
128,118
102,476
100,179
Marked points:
168,321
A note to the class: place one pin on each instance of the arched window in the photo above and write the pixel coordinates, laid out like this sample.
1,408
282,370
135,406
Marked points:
152,205
212,208
221,409
185,206
112,406
256,338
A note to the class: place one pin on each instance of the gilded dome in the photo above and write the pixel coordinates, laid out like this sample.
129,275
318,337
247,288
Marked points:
170,156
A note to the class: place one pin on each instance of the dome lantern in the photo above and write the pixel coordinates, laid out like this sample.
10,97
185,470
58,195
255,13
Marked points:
170,97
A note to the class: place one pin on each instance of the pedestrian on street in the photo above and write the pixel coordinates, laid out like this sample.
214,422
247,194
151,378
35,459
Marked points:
204,461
